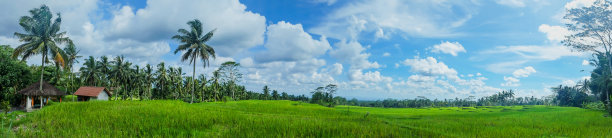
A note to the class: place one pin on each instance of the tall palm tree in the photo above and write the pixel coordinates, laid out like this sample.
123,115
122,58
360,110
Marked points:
162,79
41,36
71,55
194,43
104,66
148,78
89,72
118,73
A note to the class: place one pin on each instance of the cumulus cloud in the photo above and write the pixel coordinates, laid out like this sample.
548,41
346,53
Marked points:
452,48
579,4
510,82
237,29
524,72
519,73
430,67
289,42
354,54
554,33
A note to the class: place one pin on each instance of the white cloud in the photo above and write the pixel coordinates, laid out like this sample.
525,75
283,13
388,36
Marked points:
288,42
532,52
379,18
585,63
554,33
579,4
430,67
524,72
386,54
452,48
237,29
510,82
511,3
353,53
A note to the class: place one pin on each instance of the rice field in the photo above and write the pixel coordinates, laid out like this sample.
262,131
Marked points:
254,118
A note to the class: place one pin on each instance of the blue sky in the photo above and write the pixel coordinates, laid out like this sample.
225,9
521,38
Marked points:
371,49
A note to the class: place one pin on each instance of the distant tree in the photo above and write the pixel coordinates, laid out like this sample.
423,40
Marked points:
284,96
41,36
230,73
266,92
592,33
89,71
193,42
275,95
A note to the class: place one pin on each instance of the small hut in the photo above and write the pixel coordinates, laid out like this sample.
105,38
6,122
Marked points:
33,92
87,93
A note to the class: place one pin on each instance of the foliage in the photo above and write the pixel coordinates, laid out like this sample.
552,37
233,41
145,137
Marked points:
595,106
569,96
193,42
592,33
14,75
42,36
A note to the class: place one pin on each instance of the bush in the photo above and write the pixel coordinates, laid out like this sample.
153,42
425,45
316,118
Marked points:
5,106
595,106
227,98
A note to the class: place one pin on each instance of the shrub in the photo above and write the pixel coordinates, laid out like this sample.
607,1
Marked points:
594,105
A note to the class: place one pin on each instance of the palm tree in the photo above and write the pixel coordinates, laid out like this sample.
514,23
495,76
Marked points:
148,77
162,79
89,72
72,54
41,36
194,43
118,73
104,66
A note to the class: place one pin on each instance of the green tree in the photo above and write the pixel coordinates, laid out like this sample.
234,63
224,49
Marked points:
231,75
89,71
72,54
592,33
41,36
193,42
14,75
266,92
275,95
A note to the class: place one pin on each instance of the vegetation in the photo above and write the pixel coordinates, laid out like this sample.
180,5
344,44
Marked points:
42,37
254,118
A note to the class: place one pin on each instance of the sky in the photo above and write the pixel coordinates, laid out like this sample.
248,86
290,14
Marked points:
371,49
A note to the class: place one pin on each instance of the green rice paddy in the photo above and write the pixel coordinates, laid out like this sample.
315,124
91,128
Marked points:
254,118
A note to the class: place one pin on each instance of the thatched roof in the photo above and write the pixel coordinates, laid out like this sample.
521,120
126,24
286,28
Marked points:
48,90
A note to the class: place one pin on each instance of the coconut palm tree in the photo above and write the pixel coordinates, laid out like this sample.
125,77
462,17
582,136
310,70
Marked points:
194,45
104,66
89,72
41,36
71,55
148,77
162,79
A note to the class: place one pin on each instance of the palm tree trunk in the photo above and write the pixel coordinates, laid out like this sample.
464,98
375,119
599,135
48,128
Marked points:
42,71
193,79
607,102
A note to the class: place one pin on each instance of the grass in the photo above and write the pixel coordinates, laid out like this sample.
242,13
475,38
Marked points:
295,119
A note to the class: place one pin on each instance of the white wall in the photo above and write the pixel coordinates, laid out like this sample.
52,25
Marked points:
102,96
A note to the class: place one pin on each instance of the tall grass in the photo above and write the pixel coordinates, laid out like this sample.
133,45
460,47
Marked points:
296,119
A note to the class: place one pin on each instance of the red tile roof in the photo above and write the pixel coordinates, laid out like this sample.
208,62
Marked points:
90,91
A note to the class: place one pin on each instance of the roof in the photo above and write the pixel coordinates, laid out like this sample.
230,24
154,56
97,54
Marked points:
48,90
91,91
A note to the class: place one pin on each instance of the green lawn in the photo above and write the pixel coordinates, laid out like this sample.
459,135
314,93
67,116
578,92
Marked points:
296,119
